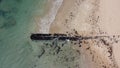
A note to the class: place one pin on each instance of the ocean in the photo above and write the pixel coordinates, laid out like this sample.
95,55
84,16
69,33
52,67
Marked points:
18,20
16,26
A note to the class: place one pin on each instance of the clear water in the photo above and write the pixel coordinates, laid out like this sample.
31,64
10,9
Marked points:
16,25
17,50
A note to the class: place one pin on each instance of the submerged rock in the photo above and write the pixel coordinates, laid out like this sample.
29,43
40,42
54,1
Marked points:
2,13
0,1
6,14
9,23
19,1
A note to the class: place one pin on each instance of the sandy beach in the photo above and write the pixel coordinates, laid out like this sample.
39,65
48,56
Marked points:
109,22
90,18
90,39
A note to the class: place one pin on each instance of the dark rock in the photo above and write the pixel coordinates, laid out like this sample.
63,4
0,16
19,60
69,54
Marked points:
62,37
58,50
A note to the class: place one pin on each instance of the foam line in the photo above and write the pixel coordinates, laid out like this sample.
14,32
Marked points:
48,19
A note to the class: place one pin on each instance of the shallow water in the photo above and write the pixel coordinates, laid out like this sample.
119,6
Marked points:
16,25
17,50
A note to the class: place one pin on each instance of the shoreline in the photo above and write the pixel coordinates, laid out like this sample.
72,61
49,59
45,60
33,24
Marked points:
45,21
76,18
84,18
87,19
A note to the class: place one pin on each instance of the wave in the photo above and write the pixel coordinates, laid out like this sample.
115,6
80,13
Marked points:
48,19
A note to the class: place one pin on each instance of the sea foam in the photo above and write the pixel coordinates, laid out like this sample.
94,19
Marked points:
49,18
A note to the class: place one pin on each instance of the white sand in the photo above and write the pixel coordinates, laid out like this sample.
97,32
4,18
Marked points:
75,15
88,17
110,16
110,22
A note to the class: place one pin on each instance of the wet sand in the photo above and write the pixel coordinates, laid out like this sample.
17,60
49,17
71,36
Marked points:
44,21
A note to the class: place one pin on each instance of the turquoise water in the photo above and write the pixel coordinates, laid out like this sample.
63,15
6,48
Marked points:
17,22
16,25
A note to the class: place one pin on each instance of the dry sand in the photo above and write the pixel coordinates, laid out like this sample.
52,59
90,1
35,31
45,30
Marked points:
110,21
89,18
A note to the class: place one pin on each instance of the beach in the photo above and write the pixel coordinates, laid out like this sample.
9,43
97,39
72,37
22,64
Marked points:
16,25
82,18
109,23
91,18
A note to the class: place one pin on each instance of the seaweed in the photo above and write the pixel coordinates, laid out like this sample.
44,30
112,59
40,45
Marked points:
0,1
110,51
58,49
43,51
19,1
9,23
2,13
5,14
